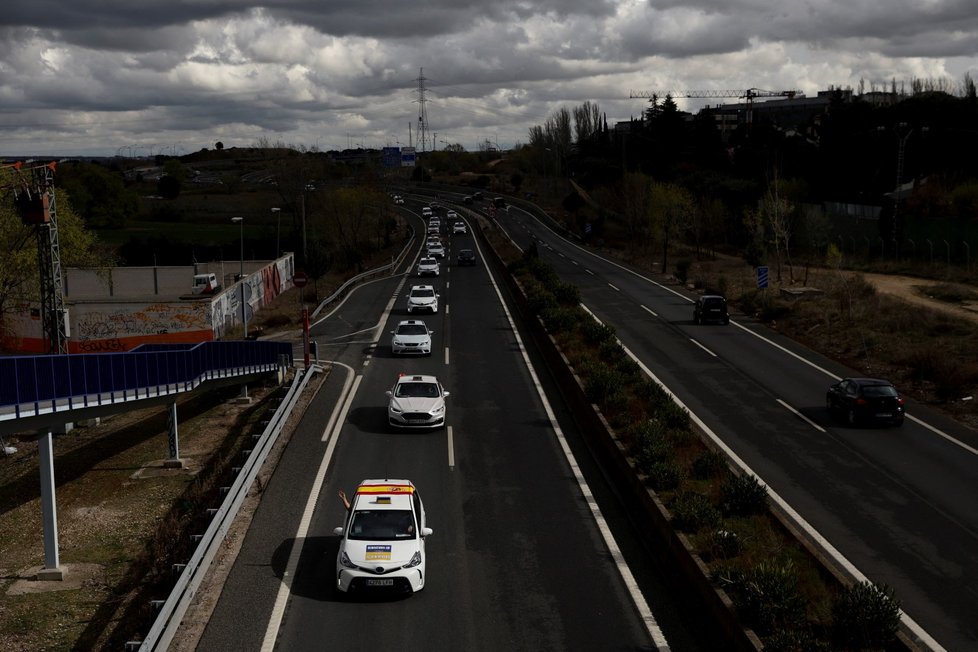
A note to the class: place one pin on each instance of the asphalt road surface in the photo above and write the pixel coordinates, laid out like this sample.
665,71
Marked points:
531,548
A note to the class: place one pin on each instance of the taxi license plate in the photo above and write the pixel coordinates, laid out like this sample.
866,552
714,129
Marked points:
387,582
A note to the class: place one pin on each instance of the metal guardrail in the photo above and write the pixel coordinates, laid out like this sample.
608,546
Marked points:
370,272
171,614
32,386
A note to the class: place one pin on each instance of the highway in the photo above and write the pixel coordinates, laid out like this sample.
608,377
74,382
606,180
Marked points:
532,548
900,505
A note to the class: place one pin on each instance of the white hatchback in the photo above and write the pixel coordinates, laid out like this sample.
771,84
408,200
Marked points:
428,266
411,337
383,540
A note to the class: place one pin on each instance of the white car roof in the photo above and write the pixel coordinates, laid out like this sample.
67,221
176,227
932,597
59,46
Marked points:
384,494
416,378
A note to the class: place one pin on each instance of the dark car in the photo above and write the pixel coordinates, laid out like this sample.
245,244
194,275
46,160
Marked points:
466,257
711,307
866,400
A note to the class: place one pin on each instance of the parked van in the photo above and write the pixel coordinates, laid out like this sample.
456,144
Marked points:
205,284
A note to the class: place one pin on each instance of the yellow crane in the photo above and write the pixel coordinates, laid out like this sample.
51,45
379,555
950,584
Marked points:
747,94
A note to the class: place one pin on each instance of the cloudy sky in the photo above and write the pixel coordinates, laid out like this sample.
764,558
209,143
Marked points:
106,77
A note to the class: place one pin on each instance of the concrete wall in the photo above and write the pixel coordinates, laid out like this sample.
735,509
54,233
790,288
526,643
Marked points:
124,308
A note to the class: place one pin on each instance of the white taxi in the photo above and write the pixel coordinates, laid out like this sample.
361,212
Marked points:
416,401
422,297
411,336
382,545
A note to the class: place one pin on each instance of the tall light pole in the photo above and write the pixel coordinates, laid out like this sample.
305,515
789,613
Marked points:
244,315
278,231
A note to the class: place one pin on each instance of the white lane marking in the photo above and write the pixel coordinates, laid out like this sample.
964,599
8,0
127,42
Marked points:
703,347
285,588
451,447
631,585
801,416
810,531
346,388
613,287
446,355
589,272
649,310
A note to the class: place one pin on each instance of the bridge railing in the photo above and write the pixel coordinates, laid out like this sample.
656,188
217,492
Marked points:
35,385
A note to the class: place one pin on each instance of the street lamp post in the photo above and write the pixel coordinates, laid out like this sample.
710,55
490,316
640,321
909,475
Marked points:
241,279
278,231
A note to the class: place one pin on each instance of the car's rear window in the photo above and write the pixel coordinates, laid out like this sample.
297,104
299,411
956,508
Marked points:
879,390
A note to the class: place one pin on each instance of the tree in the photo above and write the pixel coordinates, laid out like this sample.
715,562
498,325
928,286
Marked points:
98,195
672,208
219,146
19,268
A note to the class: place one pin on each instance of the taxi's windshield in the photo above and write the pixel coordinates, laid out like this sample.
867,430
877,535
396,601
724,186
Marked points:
382,525
412,329
416,390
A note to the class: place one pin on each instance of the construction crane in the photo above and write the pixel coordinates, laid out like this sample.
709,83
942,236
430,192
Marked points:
34,198
748,94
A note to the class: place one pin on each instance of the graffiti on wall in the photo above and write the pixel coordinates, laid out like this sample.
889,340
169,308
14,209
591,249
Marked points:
155,319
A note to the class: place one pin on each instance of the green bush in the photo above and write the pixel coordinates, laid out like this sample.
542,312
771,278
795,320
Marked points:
724,544
538,300
653,394
709,464
767,598
559,318
692,512
567,294
664,476
597,333
743,496
674,416
651,446
865,616
602,385
795,640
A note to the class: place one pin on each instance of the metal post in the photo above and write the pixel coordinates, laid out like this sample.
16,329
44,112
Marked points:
49,510
278,231
241,277
173,436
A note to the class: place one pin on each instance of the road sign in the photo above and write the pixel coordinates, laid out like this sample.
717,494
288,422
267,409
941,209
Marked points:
762,278
300,279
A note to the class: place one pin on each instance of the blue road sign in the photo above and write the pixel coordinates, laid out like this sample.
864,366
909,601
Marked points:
762,278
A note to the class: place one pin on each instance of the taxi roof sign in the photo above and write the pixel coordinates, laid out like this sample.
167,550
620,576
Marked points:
385,489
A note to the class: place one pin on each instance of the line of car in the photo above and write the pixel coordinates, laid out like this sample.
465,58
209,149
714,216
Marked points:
382,543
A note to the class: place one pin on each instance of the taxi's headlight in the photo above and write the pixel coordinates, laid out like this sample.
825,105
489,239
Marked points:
397,342
439,409
345,560
415,560
394,407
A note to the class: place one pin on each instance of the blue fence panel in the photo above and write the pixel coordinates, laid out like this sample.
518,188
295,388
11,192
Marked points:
45,379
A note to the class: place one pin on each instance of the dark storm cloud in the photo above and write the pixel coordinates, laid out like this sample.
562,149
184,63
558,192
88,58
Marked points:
88,73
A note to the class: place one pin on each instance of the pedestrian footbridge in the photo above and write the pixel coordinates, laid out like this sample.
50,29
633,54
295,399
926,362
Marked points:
41,394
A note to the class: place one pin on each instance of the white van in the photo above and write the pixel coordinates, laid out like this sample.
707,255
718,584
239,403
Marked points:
205,284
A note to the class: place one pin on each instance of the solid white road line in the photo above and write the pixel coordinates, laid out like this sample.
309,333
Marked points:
801,416
645,612
282,599
451,447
